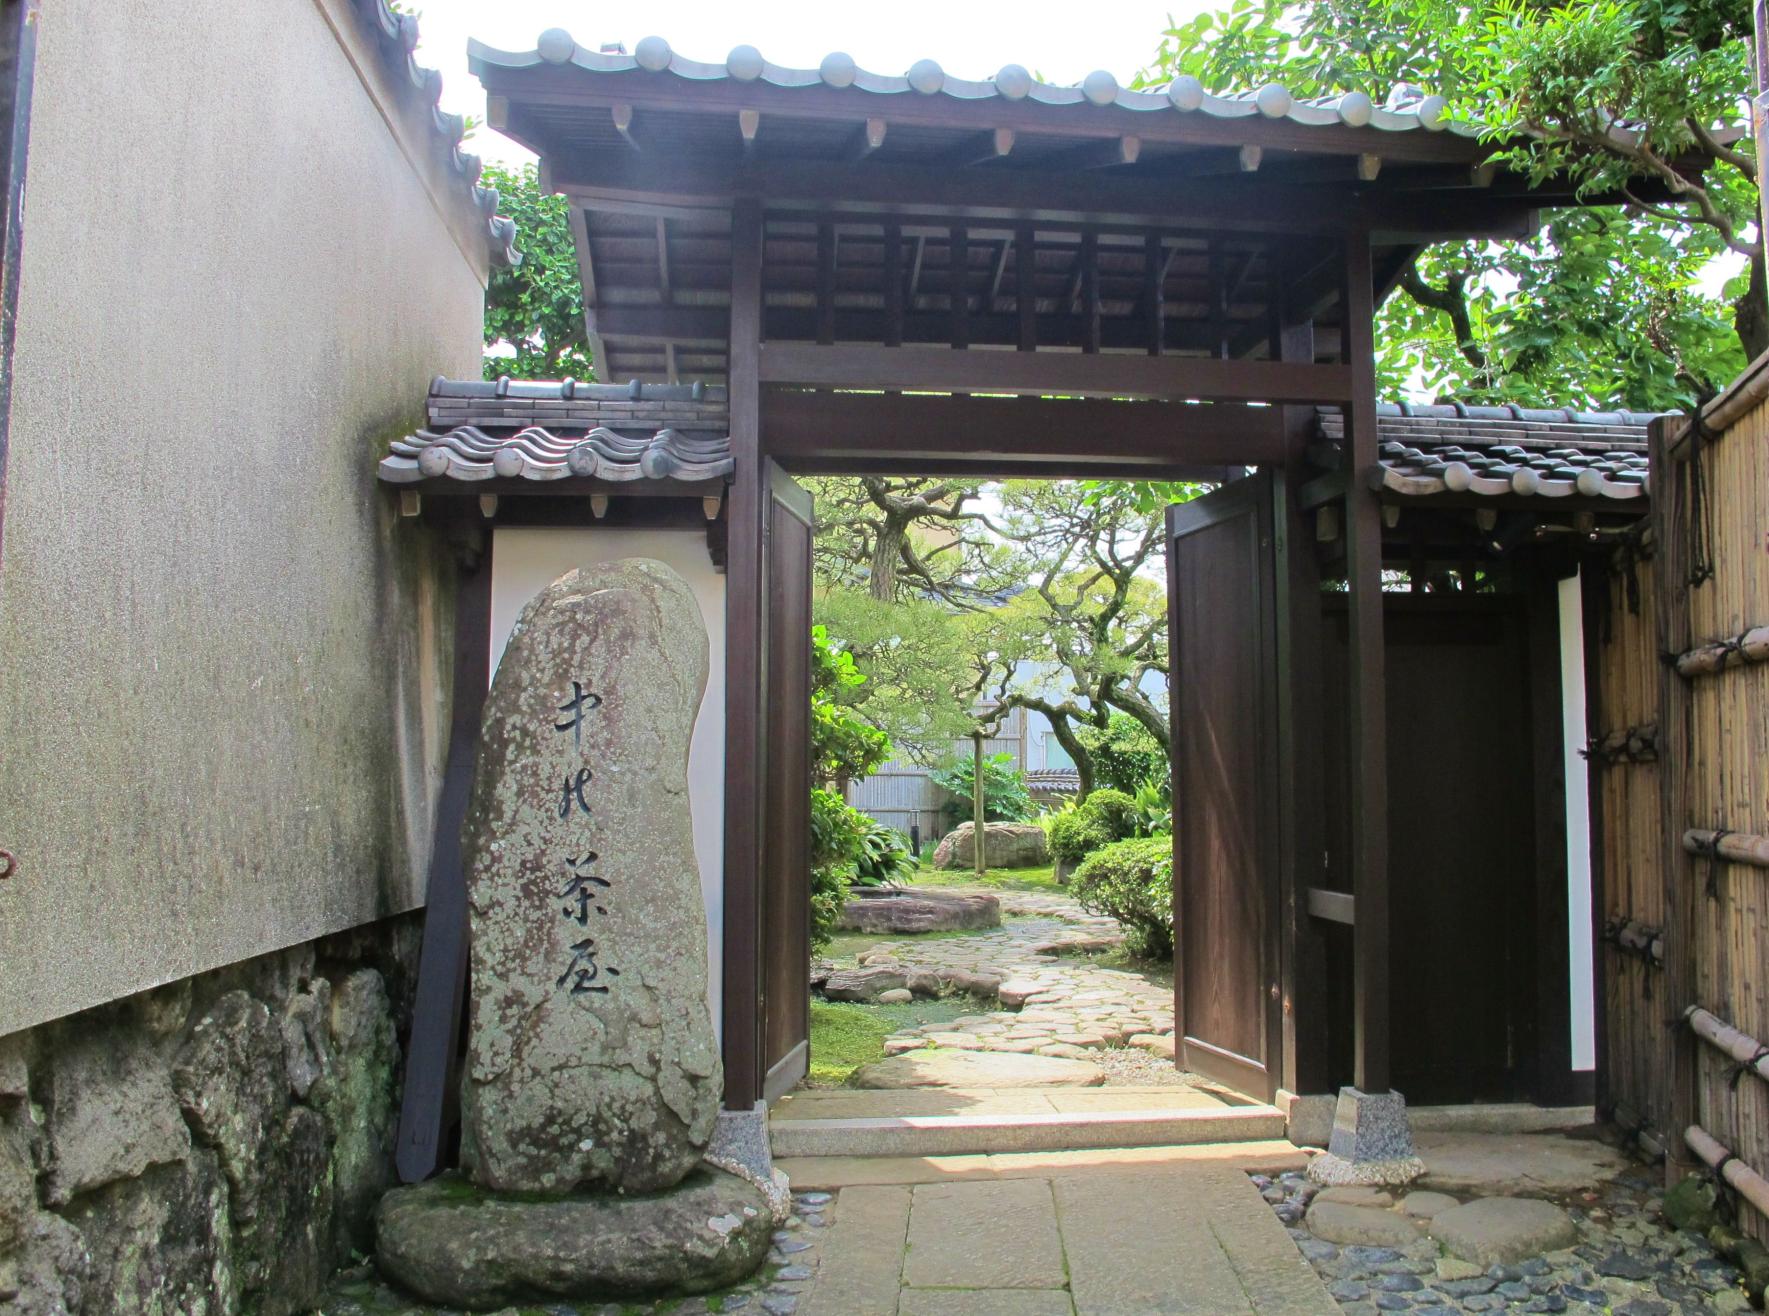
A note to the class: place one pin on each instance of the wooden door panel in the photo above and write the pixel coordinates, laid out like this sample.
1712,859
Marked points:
786,828
1220,592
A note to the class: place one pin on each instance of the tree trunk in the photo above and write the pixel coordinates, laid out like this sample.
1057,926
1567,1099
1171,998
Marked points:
887,553
1066,737
1750,313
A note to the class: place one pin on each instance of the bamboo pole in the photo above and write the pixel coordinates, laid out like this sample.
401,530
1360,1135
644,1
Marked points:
1636,744
1751,646
979,807
1741,1046
1733,847
1747,392
1750,1185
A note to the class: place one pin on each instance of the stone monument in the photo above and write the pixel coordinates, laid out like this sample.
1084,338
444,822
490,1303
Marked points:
593,1081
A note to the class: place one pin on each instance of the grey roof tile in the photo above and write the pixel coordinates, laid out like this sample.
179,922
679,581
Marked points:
1505,450
396,36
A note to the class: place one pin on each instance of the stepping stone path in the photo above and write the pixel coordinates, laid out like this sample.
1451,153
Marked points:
1054,1004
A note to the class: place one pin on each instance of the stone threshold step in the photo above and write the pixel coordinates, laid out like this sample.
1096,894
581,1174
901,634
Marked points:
951,1135
834,1172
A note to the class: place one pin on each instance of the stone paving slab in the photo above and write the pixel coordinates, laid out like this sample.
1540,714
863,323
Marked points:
860,1273
985,1302
984,1236
1201,1240
834,1172
1176,1240
859,1103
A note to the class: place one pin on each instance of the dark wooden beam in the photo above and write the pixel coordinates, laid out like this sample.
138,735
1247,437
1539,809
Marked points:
807,430
1366,693
825,283
1026,288
665,292
892,335
933,369
1249,204
1090,312
1154,273
428,1101
745,623
958,272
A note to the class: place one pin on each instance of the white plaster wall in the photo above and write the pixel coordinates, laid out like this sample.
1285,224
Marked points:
1578,827
524,562
223,659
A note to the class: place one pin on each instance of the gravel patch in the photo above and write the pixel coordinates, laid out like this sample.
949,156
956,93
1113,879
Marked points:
1627,1262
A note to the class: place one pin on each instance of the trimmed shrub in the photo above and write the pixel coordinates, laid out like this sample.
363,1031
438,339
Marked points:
1077,830
1133,882
1073,834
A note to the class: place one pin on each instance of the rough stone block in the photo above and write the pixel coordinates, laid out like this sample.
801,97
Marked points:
1370,1226
1497,1231
1005,845
921,910
358,1101
592,1058
112,1113
456,1244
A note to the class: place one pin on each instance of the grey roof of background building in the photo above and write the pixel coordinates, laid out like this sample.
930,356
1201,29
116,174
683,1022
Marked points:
396,37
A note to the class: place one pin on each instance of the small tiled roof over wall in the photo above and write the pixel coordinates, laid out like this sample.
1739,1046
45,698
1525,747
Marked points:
1502,451
483,430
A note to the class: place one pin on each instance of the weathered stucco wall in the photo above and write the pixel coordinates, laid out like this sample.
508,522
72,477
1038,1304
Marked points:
222,658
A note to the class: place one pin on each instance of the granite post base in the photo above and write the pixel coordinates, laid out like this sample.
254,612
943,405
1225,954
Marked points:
456,1244
1371,1142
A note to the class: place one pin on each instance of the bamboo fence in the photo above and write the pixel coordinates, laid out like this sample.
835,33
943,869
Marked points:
1683,842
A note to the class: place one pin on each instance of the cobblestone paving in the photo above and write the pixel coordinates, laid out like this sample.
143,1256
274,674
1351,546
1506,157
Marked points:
1067,1005
775,1290
1627,1263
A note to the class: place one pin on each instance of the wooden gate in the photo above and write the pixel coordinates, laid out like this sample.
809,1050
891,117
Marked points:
1220,590
785,895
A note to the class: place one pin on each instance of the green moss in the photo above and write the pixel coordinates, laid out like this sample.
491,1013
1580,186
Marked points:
995,879
846,1035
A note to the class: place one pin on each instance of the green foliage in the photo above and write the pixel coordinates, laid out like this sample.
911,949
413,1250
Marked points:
1606,307
1154,806
1005,798
915,655
884,856
837,836
1104,817
1124,753
1133,882
1073,833
844,746
534,311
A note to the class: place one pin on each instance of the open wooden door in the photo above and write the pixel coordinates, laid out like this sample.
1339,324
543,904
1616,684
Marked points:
1221,614
785,887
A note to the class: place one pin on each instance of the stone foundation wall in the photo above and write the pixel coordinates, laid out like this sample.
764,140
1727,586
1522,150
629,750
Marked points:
211,1146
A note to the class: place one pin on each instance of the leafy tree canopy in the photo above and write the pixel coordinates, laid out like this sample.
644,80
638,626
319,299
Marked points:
534,312
1603,307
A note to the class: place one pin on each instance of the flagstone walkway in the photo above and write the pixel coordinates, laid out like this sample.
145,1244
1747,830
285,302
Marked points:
1055,1001
1189,1239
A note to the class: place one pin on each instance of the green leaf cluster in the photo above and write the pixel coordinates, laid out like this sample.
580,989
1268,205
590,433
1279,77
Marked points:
844,746
1005,798
534,311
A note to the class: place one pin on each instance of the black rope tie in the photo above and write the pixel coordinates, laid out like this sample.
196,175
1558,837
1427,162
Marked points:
1714,862
1735,1073
1701,505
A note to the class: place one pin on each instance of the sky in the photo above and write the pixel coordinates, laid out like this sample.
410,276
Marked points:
969,38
